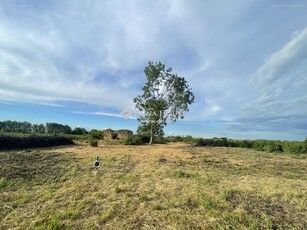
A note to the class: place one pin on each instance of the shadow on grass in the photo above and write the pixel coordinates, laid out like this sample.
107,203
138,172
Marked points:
269,213
33,165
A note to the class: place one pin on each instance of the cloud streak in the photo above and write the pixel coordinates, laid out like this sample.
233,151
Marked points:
282,102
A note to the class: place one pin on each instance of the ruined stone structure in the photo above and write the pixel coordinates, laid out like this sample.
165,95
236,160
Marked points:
121,134
109,134
124,134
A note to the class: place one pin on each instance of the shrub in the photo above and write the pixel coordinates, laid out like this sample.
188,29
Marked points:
295,147
175,139
79,131
200,142
3,183
273,146
259,145
232,143
135,140
96,134
160,140
189,139
245,144
10,142
94,143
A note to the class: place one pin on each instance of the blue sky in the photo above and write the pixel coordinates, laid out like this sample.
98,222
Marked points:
81,63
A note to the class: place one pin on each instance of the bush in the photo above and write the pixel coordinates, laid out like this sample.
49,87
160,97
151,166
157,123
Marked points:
189,139
9,142
79,131
137,140
295,147
160,140
96,134
215,142
245,144
200,142
273,146
3,183
175,139
259,145
94,143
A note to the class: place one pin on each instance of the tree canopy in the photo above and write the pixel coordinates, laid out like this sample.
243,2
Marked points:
166,97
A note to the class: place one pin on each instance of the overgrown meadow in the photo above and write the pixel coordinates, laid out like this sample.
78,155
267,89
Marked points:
164,186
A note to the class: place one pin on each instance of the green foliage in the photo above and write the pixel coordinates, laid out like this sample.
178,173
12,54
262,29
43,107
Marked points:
97,134
94,143
175,139
188,139
55,128
245,144
16,127
118,189
160,140
273,146
216,142
84,137
79,131
259,145
54,223
38,129
157,207
295,147
144,198
3,183
137,140
145,129
166,96
10,142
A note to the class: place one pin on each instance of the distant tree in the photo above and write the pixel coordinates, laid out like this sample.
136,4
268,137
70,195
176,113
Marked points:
97,134
26,127
55,128
2,126
166,96
38,129
16,126
79,131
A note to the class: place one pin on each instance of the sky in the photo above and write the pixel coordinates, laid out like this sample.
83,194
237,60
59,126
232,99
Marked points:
81,63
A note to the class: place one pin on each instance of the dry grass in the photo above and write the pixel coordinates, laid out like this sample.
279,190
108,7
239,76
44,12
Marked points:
173,186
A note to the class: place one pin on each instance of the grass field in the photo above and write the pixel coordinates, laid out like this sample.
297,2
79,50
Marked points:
172,186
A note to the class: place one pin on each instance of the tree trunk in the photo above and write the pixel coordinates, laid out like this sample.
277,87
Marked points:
151,133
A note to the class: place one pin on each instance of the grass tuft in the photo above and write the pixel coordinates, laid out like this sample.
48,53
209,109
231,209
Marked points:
3,183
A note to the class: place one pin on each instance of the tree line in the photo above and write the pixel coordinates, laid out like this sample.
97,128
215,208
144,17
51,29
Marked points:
48,128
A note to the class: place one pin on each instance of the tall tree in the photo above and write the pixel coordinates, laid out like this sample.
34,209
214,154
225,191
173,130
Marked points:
55,128
166,96
38,129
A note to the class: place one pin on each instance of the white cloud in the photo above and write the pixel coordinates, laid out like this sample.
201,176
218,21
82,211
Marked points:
292,55
281,84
